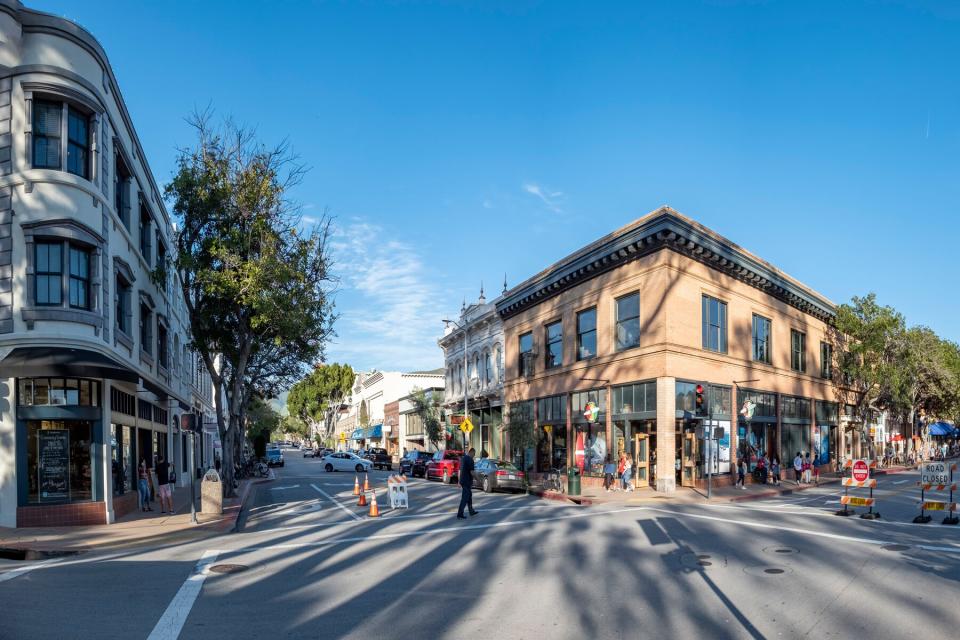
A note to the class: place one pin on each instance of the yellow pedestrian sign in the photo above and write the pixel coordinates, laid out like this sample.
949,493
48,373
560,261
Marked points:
466,426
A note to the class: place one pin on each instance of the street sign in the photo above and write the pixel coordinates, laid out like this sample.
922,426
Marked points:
868,484
466,426
861,470
854,501
935,473
718,433
939,506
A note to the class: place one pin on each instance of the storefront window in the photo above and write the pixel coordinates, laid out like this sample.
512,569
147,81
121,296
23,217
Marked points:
59,461
686,396
70,392
591,436
552,433
129,457
635,398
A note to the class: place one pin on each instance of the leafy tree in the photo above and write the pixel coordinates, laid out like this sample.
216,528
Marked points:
262,419
316,399
427,406
256,287
364,414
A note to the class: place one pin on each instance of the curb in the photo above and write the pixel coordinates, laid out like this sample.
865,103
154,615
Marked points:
235,527
770,493
561,497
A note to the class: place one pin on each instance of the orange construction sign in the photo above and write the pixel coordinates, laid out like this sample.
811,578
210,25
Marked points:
867,484
856,502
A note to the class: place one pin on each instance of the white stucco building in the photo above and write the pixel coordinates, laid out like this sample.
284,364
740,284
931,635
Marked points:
93,358
480,377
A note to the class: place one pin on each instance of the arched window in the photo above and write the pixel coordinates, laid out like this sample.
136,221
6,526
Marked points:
499,363
176,354
488,368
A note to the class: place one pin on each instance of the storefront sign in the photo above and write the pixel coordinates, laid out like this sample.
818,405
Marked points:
591,412
53,452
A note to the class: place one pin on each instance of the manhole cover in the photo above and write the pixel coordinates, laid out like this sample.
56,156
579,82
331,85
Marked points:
780,550
228,568
773,571
895,547
765,571
783,550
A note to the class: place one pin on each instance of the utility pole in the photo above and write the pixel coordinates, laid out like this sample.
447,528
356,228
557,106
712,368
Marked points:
193,478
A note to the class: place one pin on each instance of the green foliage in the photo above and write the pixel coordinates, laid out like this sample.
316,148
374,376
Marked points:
427,406
519,426
262,419
255,285
316,398
364,414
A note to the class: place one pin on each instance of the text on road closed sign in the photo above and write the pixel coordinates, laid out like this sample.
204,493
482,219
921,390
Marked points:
935,473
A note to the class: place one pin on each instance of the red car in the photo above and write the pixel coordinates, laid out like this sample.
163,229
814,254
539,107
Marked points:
445,465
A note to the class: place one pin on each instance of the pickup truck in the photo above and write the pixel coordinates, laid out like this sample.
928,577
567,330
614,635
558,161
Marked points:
380,458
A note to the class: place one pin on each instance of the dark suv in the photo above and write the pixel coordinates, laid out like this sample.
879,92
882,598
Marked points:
380,458
415,463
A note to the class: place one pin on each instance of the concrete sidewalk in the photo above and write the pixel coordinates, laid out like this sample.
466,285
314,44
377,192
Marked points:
134,529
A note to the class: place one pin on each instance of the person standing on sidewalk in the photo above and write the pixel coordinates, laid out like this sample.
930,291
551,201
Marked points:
143,485
775,470
608,470
807,468
798,468
816,470
742,474
466,484
627,473
164,490
621,466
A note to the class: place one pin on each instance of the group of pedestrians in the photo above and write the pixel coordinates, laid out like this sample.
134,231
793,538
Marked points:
166,477
618,477
806,469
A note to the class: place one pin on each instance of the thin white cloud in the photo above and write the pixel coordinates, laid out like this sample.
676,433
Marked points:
487,204
388,316
551,199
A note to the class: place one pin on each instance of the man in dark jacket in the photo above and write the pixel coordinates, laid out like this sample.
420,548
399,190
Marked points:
466,484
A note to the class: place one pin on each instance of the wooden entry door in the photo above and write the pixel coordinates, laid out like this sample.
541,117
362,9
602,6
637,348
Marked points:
641,462
688,460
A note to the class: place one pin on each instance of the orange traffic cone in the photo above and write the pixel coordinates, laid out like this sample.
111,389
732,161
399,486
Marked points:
366,482
362,502
374,507
356,485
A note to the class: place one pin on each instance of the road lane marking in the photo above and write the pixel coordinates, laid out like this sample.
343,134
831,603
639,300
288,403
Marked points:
900,481
428,532
806,532
19,571
171,622
334,501
293,486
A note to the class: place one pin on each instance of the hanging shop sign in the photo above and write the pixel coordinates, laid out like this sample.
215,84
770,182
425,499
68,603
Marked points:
591,412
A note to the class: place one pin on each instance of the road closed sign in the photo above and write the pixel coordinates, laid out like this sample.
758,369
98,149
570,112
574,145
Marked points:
935,473
861,470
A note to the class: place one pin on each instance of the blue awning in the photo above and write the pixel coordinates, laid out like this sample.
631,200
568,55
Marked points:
941,429
375,431
357,434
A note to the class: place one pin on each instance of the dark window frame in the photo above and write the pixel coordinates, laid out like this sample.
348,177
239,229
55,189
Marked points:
47,275
146,328
82,282
123,298
549,359
75,144
525,363
826,360
756,340
798,356
581,333
708,328
37,136
618,321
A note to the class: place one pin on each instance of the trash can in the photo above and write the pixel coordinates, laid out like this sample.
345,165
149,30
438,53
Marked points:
211,493
573,481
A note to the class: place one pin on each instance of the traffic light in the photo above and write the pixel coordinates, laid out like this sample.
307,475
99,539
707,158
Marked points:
701,403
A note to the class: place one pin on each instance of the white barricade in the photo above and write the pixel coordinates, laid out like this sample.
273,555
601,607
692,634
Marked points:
397,485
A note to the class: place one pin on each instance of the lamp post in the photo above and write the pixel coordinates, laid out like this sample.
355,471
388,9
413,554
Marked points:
466,377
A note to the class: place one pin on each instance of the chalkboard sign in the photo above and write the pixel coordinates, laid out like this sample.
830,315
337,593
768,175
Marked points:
54,469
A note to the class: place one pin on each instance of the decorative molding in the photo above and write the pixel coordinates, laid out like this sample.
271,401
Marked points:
664,229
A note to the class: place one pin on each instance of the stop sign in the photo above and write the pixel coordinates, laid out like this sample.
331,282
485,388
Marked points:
861,470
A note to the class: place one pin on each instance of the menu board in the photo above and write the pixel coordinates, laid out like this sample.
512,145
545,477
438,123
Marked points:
54,469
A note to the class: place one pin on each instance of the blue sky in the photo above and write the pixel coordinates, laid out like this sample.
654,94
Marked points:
457,141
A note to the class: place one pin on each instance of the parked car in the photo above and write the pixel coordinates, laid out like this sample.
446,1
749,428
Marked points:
307,452
494,475
274,457
346,462
322,452
415,463
380,458
444,465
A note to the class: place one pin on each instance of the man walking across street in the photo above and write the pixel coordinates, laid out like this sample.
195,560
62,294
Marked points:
466,484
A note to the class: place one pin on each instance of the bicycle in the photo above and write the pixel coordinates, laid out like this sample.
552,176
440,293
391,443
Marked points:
555,480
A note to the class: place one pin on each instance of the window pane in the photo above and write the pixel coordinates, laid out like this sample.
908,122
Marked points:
586,334
554,345
46,118
628,322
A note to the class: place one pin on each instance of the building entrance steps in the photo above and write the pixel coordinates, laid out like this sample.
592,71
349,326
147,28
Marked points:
137,528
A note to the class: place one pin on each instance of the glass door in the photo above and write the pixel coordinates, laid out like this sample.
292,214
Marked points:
641,462
688,470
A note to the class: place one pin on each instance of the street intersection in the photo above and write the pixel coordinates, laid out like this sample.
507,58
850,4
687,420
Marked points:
308,563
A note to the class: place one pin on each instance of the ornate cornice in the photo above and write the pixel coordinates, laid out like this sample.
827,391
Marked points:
663,229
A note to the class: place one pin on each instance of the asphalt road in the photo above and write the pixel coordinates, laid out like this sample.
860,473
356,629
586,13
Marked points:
313,565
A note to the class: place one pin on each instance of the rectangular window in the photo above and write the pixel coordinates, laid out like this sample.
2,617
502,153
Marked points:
761,339
714,318
59,460
78,143
526,348
46,134
628,322
145,234
146,329
554,350
798,351
123,305
162,345
79,278
587,334
121,190
49,273
826,360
